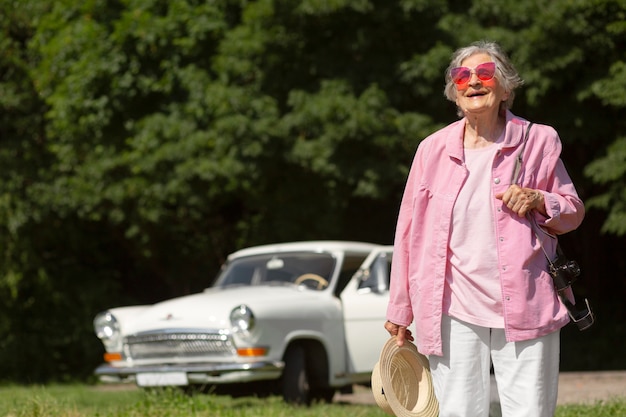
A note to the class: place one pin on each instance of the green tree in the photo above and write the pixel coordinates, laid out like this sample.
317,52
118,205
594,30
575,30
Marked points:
144,140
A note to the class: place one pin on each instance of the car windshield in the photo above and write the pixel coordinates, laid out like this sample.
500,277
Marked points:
313,270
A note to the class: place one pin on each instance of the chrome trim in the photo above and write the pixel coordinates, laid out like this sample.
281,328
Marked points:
211,368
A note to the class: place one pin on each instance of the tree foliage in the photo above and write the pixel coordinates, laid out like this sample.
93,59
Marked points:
144,140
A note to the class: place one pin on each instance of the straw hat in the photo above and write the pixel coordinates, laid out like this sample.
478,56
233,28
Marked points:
401,382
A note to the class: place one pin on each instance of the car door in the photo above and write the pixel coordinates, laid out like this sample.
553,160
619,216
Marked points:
364,307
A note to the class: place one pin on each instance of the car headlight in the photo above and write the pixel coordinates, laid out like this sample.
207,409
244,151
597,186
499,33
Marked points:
107,329
242,319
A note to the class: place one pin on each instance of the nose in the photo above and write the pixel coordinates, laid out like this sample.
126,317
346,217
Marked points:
474,78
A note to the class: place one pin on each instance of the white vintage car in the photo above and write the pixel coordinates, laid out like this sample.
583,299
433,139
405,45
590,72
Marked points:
304,318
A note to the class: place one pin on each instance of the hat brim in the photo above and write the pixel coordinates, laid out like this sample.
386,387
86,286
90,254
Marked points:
402,383
378,390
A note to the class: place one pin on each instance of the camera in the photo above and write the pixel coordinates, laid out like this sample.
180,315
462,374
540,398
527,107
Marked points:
564,272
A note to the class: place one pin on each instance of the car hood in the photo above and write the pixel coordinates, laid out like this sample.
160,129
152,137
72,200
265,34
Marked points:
211,308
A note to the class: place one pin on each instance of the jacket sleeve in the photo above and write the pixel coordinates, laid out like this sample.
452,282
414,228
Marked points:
399,310
564,207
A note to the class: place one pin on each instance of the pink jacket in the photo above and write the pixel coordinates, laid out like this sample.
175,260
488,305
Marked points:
530,304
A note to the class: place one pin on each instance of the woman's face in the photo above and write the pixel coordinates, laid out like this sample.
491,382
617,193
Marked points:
476,97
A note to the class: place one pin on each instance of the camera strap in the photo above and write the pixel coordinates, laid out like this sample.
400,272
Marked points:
583,317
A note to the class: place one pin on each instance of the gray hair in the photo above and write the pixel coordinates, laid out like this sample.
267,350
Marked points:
506,74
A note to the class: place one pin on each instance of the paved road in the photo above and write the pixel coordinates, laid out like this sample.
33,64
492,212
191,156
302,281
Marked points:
574,388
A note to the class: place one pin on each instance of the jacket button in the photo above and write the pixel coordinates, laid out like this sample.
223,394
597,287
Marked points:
497,180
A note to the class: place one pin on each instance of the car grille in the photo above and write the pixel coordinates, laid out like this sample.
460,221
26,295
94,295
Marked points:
185,345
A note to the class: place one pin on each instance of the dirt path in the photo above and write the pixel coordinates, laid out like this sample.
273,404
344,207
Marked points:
590,387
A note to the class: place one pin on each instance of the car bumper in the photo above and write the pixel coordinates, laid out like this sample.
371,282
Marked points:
186,374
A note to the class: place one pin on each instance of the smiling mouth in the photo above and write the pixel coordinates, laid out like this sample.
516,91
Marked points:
476,94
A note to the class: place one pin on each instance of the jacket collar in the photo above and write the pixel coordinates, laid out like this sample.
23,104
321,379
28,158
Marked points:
513,136
515,128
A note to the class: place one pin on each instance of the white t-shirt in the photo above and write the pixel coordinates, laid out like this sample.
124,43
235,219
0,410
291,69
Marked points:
472,290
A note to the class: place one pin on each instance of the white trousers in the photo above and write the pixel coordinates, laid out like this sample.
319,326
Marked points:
526,373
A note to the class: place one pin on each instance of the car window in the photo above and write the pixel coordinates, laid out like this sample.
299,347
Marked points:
377,277
274,269
351,264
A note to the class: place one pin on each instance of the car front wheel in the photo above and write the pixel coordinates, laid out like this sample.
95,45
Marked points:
295,383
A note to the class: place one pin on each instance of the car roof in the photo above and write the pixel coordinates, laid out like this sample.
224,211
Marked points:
307,246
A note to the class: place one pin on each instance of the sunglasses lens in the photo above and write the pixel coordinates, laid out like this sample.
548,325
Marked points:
460,75
486,71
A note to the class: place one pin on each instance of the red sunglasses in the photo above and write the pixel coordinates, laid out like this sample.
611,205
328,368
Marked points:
484,72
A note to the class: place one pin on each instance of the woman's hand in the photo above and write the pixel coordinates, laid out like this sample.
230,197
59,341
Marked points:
522,200
401,332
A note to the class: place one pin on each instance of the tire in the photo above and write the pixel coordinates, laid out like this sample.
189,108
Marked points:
324,395
295,382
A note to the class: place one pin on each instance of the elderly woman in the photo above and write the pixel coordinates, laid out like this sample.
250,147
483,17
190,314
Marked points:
468,268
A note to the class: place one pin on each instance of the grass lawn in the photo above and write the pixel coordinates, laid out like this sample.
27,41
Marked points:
84,400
